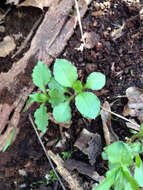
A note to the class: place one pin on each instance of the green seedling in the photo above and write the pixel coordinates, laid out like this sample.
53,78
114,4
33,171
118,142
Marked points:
66,155
59,90
50,177
125,165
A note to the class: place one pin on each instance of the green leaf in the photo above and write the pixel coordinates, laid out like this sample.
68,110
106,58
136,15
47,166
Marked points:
130,178
65,72
136,147
41,118
39,97
56,97
88,104
41,75
108,181
95,81
10,138
138,174
62,112
121,183
77,86
66,155
53,84
117,153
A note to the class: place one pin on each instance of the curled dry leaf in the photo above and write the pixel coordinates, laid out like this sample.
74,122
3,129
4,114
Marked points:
90,144
109,134
134,107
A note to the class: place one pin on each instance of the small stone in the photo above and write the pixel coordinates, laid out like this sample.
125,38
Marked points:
22,172
6,46
2,29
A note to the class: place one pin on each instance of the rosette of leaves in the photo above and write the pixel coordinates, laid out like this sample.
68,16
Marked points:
57,91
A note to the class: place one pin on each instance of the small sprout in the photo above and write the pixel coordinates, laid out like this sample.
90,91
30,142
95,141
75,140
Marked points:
66,155
50,177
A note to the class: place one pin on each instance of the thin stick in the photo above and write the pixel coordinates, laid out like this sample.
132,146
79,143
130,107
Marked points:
120,116
79,20
49,159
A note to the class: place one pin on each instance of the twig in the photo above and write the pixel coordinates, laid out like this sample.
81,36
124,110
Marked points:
120,116
49,159
79,21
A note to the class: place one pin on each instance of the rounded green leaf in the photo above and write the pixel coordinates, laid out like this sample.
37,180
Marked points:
88,104
65,73
62,112
41,75
95,81
117,153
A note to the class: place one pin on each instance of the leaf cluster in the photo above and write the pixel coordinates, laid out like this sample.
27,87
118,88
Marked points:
60,89
125,166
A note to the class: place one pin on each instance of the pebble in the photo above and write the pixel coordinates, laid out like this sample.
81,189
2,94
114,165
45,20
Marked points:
6,46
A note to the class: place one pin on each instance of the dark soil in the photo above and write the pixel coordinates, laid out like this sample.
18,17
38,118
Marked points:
120,60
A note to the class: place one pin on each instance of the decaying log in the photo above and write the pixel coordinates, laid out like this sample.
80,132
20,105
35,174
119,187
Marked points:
50,39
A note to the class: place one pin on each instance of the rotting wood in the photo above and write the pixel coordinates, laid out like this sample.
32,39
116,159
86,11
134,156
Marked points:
49,41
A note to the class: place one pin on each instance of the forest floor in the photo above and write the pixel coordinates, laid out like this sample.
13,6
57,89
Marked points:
115,49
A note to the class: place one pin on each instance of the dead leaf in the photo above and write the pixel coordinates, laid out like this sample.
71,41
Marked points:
91,39
117,33
109,134
36,3
6,46
90,144
134,107
97,14
83,168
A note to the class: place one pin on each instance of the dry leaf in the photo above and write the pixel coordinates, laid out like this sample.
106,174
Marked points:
91,39
90,144
134,107
36,3
109,134
83,168
117,33
97,14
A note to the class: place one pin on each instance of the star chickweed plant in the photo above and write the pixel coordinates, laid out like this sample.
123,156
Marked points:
59,90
